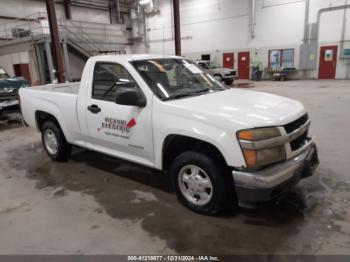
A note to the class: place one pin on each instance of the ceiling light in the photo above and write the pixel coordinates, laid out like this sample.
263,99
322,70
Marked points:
144,2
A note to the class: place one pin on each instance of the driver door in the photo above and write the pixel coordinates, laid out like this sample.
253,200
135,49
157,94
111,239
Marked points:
121,130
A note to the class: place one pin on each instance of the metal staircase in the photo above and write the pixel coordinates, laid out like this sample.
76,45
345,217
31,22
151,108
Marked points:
87,38
31,34
79,40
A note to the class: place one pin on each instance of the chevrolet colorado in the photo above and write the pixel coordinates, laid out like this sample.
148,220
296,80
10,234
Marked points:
220,146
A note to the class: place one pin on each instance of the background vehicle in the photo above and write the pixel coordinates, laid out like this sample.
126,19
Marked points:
219,145
222,74
9,87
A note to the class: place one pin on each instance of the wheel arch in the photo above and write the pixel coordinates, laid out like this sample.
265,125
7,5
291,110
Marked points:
175,144
42,116
217,74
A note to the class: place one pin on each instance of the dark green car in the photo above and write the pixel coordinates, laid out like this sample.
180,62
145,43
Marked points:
9,87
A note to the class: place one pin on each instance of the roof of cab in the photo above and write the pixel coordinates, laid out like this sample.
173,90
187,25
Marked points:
133,57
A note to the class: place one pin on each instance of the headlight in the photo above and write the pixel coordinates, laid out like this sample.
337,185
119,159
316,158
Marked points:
265,156
258,133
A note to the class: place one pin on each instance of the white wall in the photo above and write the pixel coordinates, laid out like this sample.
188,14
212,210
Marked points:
76,66
218,26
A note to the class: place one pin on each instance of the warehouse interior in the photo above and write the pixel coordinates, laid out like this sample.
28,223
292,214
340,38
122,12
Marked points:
96,204
270,34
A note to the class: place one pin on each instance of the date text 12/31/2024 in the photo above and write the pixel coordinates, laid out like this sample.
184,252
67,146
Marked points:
173,258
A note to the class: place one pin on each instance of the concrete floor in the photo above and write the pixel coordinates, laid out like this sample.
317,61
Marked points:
94,204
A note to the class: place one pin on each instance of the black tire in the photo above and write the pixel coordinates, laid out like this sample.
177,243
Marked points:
223,195
228,82
63,147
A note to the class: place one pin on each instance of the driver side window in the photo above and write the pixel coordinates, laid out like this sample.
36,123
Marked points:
106,79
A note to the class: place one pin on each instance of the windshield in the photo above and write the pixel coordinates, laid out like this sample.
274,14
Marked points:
214,65
3,74
174,78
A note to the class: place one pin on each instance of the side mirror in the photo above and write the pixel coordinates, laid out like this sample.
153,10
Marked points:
130,96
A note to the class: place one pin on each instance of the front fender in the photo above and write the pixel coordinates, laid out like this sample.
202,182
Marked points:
223,140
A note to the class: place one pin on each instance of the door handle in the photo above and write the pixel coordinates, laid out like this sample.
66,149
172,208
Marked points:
94,109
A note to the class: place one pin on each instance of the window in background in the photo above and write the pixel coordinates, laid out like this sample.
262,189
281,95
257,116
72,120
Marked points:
205,57
281,58
275,59
287,58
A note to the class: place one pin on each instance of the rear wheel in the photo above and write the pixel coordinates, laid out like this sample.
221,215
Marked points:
200,184
55,144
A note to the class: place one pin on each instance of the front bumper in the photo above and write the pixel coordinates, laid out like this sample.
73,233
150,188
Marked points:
274,181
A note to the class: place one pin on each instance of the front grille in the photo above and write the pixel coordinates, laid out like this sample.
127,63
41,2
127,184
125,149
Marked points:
296,124
232,73
299,142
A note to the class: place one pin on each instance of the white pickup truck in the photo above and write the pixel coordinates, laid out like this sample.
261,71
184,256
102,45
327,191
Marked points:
220,146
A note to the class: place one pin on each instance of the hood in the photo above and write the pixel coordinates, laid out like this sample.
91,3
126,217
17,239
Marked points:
222,70
13,83
243,108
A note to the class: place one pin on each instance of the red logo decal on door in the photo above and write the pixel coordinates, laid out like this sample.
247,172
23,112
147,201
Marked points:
131,123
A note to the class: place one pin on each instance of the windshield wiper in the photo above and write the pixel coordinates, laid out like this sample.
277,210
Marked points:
193,93
202,91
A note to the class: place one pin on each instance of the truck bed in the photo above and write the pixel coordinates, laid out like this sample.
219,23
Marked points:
59,100
69,88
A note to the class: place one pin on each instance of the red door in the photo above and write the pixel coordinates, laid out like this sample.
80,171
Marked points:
228,61
328,62
243,65
22,70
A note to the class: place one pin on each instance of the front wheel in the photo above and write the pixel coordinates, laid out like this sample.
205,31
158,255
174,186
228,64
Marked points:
218,77
228,81
200,184
55,144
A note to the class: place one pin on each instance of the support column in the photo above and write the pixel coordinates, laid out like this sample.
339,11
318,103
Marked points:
38,48
176,7
51,12
252,18
66,59
49,61
67,10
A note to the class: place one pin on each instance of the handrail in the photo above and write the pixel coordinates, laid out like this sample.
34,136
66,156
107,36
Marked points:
74,40
37,14
83,35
